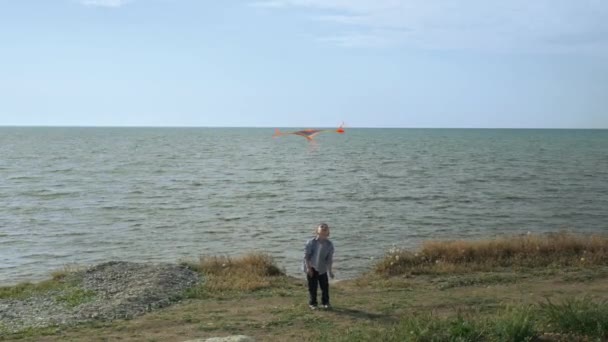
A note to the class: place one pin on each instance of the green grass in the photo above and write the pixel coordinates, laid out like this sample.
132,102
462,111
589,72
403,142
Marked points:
64,292
582,316
73,296
476,298
421,327
586,275
515,324
25,290
577,317
477,280
32,332
58,282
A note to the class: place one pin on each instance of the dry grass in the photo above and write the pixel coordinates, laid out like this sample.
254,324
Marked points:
249,272
558,249
61,273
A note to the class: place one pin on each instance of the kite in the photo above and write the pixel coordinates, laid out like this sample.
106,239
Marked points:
309,134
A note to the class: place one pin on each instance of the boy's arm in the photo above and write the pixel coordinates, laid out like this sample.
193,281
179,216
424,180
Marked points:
308,256
330,261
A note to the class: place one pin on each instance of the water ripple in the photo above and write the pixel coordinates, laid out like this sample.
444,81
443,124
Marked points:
162,194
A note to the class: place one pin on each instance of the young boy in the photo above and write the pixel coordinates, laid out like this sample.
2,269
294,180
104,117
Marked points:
318,260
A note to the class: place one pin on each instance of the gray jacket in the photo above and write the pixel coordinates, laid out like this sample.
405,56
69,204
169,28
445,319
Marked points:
319,253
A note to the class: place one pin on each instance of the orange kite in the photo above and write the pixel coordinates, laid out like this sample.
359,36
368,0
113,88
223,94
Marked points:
309,134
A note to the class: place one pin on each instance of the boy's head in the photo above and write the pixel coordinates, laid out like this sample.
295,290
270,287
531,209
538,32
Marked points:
322,231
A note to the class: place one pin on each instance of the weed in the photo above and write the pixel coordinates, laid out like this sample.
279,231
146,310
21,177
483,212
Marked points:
515,324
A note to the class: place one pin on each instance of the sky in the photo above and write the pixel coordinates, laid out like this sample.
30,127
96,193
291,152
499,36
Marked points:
305,63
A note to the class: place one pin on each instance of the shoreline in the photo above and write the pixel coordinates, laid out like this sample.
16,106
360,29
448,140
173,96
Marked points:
484,278
577,237
277,311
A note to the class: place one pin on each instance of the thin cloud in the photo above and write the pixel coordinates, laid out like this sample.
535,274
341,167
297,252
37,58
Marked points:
481,24
344,19
105,3
268,4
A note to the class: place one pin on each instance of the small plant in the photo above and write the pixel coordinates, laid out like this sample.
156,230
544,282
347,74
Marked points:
515,324
461,329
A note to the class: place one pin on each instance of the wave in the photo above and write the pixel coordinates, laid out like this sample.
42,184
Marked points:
384,175
25,178
45,194
258,195
268,181
230,219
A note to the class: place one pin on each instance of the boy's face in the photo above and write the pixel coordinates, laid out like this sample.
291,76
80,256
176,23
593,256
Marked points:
323,232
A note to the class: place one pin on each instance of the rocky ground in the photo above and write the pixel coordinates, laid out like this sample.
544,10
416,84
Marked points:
108,291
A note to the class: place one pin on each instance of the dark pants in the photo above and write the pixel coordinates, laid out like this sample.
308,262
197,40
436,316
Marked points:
320,279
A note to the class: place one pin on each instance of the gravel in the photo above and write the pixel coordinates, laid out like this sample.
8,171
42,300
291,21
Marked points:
112,290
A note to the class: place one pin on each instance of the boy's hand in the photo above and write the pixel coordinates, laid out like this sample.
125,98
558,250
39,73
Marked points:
309,270
331,274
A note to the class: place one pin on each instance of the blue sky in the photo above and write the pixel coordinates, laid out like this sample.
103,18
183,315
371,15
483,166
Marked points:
305,63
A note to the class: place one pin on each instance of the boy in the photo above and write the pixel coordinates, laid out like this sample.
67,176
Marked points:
318,260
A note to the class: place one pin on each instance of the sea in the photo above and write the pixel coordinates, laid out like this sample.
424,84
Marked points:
81,195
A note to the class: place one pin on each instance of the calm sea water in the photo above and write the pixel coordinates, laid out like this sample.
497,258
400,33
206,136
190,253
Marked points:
87,195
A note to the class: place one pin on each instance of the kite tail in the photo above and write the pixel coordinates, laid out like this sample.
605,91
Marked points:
277,133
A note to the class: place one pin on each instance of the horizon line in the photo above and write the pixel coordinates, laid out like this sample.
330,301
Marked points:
348,127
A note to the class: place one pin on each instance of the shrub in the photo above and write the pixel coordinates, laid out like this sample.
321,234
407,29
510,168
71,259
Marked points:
249,272
560,249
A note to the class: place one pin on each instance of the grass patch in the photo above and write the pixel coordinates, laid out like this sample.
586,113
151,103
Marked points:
62,289
577,315
251,295
427,327
528,251
73,296
515,324
32,332
477,280
57,282
225,274
421,327
24,290
575,319
586,275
